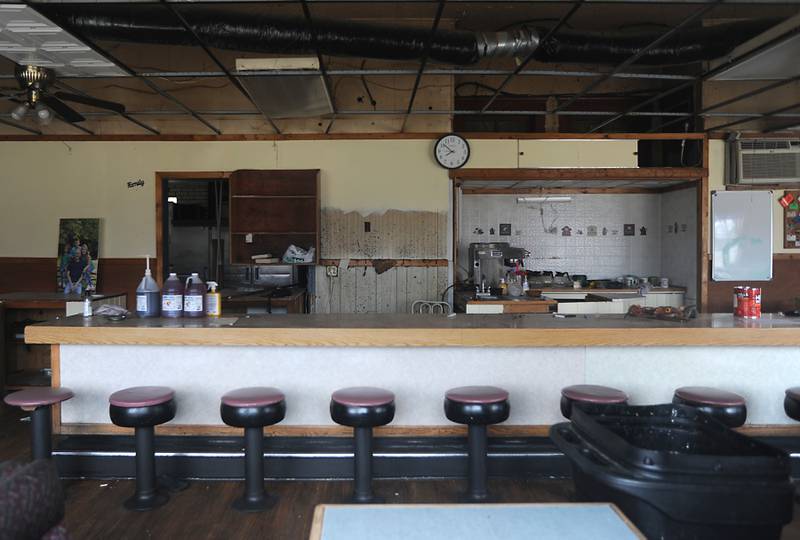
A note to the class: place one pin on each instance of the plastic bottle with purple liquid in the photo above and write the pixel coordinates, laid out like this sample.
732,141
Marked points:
172,297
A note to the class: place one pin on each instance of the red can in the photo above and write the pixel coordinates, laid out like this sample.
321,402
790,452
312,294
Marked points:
741,301
747,302
754,304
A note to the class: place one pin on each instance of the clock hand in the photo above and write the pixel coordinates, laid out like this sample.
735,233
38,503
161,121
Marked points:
451,151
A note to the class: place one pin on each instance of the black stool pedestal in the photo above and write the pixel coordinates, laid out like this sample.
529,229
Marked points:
253,408
143,408
147,496
362,408
477,407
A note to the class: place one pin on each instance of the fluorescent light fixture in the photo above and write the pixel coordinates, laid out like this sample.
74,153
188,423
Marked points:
554,199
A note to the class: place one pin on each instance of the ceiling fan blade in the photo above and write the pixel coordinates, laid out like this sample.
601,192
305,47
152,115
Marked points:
92,102
62,109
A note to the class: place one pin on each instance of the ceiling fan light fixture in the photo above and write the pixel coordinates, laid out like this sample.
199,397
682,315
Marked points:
20,111
44,114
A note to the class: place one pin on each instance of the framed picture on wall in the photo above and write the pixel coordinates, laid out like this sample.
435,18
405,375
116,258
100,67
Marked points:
791,221
78,248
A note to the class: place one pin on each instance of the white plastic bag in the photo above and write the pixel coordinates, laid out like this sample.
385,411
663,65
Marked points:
296,255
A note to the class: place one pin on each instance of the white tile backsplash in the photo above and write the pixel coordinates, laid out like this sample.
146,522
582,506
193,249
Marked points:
679,249
600,257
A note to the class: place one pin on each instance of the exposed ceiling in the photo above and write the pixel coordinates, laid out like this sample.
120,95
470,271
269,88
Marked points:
197,89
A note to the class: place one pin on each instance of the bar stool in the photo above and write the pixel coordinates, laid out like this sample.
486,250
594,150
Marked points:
477,406
590,393
253,408
727,407
38,401
791,403
142,408
362,408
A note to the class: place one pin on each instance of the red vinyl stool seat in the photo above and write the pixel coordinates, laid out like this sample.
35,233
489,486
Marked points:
590,393
727,407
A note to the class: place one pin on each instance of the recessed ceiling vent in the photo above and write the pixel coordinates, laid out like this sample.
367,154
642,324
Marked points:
286,96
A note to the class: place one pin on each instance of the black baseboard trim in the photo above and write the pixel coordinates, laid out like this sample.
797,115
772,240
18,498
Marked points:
307,458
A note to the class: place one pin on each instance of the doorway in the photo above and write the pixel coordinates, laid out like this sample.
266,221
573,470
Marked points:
193,226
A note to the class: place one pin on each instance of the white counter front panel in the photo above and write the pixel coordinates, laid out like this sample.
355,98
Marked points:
420,376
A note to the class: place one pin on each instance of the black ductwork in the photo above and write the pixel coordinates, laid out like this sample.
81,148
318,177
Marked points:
690,45
261,34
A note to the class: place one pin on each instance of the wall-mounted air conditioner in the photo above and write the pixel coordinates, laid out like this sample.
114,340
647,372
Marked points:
768,161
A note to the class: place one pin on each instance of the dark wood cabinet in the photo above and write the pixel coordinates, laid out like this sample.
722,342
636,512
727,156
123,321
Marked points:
277,208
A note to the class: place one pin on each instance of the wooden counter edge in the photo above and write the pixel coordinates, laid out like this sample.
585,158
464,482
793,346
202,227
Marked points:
416,337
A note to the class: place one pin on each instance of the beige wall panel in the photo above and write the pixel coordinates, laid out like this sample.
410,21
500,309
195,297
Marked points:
484,153
575,153
365,175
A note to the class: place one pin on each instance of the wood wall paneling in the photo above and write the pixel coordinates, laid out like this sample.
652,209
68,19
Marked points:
362,290
776,295
38,274
393,234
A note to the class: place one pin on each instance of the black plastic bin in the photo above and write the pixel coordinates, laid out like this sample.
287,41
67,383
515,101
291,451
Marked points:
677,473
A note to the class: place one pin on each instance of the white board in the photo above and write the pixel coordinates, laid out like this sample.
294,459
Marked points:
741,224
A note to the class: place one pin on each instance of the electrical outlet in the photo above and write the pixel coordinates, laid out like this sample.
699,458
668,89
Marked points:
332,271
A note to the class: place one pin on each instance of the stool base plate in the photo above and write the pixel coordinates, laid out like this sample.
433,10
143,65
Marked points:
143,504
243,504
369,499
470,498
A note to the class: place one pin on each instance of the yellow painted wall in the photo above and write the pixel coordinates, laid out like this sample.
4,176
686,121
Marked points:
44,181
716,182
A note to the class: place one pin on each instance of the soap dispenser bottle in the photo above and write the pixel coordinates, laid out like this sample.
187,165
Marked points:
148,295
213,300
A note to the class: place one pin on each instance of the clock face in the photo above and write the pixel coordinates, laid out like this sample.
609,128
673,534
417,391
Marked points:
451,151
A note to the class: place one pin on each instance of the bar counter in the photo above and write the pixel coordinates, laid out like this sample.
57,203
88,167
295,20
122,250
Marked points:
400,330
418,357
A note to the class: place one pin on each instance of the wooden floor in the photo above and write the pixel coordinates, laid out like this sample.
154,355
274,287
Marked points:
94,507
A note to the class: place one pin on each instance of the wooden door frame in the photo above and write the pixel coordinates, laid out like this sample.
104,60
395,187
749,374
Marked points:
160,178
693,177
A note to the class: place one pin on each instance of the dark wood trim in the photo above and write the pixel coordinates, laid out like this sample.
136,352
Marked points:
678,187
703,217
411,263
793,186
786,256
455,223
55,382
588,174
556,191
343,136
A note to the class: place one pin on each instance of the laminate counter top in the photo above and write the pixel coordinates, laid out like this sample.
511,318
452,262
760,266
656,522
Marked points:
405,330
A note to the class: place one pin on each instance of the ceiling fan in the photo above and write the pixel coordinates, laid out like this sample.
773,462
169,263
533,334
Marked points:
35,94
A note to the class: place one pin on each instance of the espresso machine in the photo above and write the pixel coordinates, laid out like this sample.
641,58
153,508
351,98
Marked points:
490,261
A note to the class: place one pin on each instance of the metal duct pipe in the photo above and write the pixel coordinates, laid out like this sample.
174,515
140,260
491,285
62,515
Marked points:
690,45
252,33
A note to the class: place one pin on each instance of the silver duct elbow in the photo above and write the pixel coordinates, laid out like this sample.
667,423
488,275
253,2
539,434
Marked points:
518,42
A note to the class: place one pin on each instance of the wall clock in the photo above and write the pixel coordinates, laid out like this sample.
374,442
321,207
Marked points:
451,151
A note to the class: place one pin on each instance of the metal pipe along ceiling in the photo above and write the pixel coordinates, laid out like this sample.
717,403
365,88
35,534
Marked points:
248,33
